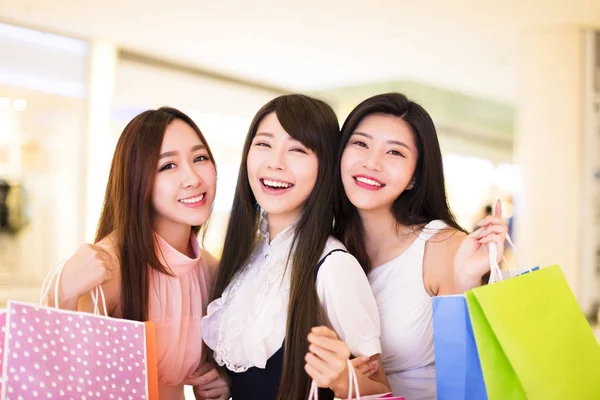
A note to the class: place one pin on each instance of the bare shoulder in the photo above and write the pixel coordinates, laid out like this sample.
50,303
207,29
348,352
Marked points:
438,261
445,241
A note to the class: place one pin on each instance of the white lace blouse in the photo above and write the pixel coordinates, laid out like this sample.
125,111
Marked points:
247,324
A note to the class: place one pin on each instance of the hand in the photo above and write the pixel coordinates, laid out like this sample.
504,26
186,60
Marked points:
366,368
472,259
327,360
209,383
89,267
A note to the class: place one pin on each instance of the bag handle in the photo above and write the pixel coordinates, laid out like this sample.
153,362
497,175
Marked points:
352,384
54,275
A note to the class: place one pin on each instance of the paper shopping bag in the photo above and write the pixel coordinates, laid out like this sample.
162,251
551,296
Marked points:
66,354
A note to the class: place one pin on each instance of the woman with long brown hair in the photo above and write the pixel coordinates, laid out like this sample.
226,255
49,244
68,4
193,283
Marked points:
282,273
146,255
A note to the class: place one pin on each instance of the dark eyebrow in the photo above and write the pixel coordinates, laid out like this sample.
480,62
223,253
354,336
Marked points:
267,134
396,142
174,153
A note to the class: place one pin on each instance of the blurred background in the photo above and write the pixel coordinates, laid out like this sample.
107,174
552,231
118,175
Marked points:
513,87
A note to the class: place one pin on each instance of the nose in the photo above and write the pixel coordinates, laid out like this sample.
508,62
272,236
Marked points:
276,160
191,178
373,161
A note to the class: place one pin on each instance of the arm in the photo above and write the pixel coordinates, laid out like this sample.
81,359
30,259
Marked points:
352,311
455,262
90,266
438,262
327,364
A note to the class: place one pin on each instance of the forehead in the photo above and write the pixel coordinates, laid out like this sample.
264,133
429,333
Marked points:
386,127
179,134
271,126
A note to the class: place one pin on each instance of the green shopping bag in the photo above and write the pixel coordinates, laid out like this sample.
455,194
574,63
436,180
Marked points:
533,339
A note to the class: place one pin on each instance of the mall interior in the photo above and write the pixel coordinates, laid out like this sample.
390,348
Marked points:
513,88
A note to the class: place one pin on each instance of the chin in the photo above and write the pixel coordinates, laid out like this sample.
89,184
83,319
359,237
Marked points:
364,204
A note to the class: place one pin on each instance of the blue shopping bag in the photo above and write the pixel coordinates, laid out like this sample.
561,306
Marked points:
458,370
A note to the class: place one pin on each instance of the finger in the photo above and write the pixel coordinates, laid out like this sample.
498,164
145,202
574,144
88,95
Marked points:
500,229
99,249
204,379
216,383
325,355
498,209
368,369
202,369
336,346
324,331
108,275
213,393
373,367
497,238
490,220
363,369
318,364
359,361
197,392
477,234
315,374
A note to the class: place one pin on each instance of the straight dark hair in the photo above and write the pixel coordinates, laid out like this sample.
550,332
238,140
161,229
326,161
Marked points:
127,211
315,125
424,202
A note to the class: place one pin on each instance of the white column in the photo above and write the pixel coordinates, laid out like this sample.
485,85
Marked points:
549,151
99,144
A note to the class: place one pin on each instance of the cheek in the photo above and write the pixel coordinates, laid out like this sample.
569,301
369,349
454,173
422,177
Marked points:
209,175
348,160
252,163
158,194
311,172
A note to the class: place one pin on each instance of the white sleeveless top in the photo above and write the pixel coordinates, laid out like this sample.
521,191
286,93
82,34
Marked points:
405,311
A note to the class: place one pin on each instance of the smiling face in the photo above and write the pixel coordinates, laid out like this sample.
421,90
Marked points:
378,162
185,182
282,171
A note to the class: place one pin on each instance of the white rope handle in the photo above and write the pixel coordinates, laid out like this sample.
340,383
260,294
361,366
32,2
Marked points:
55,274
352,384
515,253
354,378
495,274
46,285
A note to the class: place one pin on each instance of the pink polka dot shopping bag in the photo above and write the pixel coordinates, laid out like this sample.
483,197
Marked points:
48,353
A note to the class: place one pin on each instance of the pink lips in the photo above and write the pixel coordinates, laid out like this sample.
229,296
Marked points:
194,201
368,182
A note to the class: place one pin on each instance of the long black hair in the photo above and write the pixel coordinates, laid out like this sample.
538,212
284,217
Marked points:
315,125
424,202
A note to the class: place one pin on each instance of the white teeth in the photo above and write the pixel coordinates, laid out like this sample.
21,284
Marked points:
276,184
368,181
193,199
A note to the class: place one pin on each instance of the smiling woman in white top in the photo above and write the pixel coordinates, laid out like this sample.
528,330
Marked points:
393,216
282,273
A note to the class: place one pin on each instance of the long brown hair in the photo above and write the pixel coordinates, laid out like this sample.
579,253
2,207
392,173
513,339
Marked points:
127,211
416,207
314,124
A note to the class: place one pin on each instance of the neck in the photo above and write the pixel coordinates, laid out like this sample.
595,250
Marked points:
278,222
176,235
383,236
